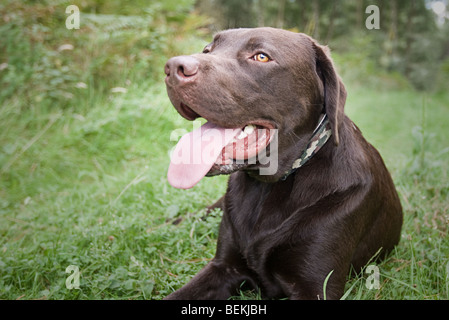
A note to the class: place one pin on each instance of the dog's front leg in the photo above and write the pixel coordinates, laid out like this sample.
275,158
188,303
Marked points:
216,281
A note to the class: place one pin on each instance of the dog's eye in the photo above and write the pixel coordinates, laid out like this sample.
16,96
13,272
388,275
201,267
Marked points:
261,57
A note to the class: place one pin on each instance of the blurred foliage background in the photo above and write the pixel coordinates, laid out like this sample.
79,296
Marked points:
413,39
124,41
118,42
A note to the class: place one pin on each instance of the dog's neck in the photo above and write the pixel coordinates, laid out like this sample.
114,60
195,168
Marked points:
320,136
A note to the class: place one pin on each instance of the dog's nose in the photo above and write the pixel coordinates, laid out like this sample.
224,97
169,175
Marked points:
181,69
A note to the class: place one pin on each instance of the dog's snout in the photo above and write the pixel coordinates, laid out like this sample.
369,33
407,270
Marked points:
182,69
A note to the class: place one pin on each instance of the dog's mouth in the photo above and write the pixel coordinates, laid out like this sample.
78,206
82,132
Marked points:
211,149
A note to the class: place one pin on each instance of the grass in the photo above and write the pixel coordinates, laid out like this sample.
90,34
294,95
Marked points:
409,130
90,190
83,170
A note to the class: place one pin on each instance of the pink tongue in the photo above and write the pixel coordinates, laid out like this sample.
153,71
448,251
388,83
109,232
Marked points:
196,153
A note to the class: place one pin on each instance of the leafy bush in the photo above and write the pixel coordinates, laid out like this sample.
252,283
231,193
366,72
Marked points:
48,64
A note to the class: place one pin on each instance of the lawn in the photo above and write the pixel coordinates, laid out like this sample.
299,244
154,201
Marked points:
410,130
86,211
89,190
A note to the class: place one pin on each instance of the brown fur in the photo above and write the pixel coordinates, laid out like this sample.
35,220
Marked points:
338,210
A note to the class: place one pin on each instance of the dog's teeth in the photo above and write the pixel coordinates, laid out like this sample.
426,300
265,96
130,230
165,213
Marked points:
246,131
242,135
249,129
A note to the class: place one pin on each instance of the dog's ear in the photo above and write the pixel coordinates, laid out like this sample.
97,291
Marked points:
334,90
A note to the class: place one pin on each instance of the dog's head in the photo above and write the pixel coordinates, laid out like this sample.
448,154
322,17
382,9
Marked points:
261,84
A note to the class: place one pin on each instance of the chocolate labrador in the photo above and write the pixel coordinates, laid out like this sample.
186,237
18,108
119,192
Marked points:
308,198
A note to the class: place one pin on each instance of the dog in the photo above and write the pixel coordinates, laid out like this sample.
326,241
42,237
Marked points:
330,205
